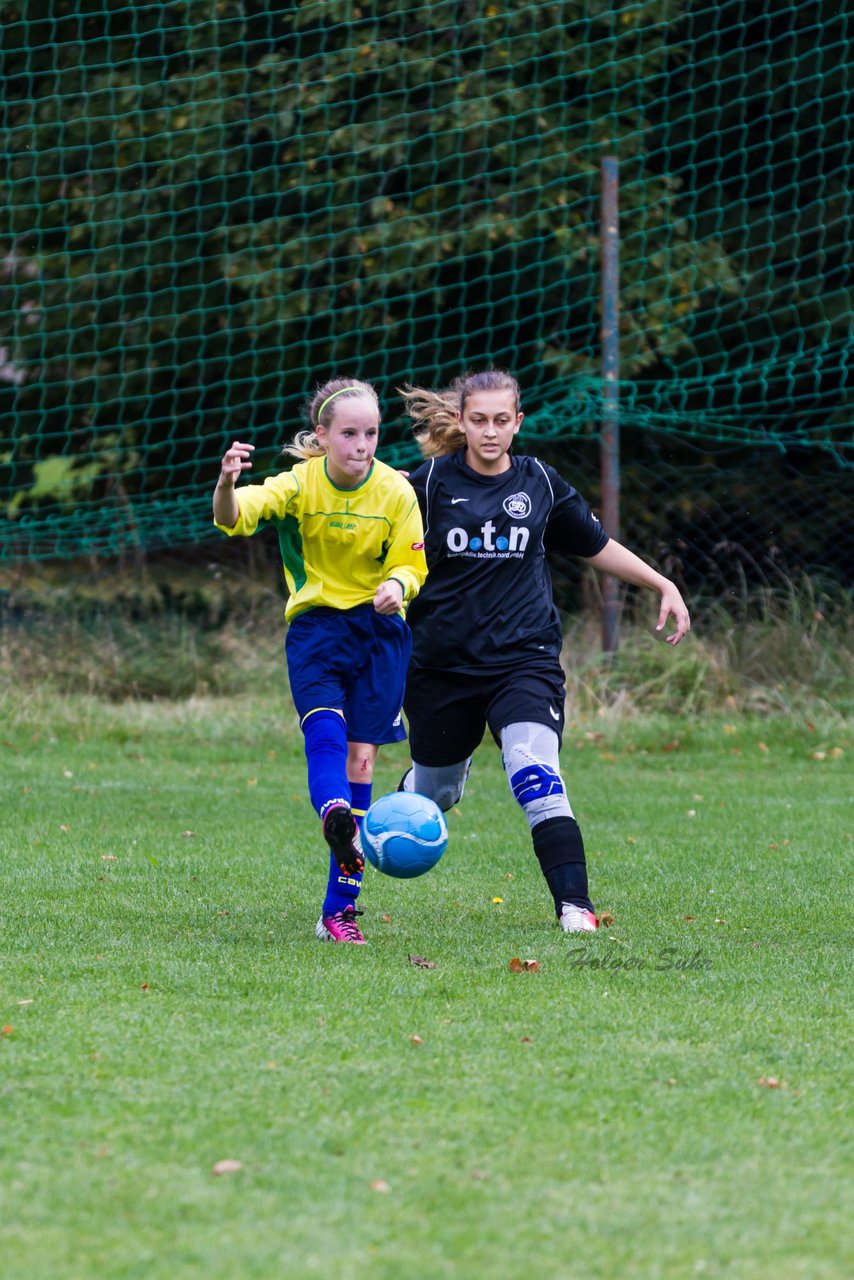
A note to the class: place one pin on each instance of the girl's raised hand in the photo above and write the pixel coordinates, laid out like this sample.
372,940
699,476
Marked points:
237,459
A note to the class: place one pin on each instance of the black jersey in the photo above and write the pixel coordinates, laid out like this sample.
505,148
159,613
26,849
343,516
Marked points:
487,602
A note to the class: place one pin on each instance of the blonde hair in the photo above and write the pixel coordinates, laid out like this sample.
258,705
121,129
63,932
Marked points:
435,414
320,411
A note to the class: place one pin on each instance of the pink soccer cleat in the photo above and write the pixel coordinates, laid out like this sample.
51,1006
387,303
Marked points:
341,927
342,835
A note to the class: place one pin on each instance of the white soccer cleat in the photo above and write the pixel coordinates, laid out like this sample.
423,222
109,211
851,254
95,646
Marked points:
574,919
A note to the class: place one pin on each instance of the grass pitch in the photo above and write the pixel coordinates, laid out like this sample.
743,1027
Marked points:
663,1099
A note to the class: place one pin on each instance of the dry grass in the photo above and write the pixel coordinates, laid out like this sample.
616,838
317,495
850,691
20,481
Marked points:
770,652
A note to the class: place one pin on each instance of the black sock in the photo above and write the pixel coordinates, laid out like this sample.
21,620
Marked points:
560,852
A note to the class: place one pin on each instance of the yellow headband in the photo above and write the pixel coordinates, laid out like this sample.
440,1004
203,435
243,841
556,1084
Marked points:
328,399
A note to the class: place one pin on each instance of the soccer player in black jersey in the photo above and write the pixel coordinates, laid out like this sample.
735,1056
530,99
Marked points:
486,632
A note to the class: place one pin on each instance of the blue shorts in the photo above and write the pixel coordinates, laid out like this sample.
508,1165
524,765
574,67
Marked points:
351,660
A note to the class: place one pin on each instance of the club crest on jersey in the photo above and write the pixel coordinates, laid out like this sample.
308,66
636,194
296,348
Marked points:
517,505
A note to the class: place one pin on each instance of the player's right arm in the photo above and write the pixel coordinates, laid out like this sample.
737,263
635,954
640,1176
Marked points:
241,511
237,459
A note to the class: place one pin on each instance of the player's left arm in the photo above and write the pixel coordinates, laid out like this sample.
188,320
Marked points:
625,565
405,565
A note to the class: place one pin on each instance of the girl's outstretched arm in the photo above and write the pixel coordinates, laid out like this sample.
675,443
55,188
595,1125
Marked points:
625,565
237,459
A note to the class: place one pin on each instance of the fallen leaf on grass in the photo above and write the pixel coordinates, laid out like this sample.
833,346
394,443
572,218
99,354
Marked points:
689,917
385,919
7,1030
143,986
379,1185
523,966
226,1166
25,1001
605,919
415,1040
188,835
672,746
762,746
771,1082
109,857
63,827
421,962
526,1040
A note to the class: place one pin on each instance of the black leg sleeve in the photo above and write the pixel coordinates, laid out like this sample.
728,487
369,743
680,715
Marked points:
560,852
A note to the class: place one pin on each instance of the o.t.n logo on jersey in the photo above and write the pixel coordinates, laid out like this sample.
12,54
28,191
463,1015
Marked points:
517,505
485,544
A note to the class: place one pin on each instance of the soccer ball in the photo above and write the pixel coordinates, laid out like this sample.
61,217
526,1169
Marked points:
404,834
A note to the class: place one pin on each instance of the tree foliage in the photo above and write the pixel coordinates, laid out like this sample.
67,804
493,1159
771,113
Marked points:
209,204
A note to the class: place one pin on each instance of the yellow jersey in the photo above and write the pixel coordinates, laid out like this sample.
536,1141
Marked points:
338,545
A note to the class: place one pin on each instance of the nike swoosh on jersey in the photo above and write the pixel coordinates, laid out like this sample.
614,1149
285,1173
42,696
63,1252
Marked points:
454,501
554,714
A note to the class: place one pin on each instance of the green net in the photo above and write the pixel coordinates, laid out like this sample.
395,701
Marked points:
209,206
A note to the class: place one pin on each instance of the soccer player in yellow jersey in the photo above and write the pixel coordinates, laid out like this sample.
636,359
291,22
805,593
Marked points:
352,545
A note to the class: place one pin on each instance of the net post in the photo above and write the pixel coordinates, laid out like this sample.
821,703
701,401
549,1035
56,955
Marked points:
609,446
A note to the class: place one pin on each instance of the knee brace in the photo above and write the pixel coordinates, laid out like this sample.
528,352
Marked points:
530,756
444,783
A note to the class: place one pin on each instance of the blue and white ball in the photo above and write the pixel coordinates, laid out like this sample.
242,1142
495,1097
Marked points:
404,834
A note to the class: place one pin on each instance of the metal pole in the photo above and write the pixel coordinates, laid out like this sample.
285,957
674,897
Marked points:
609,234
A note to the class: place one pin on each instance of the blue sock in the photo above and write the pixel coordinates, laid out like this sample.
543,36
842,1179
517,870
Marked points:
361,800
343,889
326,755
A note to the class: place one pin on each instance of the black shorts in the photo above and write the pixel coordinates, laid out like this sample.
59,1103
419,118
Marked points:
448,712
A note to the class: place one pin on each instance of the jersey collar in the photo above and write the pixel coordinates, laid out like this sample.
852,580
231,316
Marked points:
357,487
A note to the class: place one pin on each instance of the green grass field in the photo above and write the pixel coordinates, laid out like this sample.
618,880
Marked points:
165,1006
